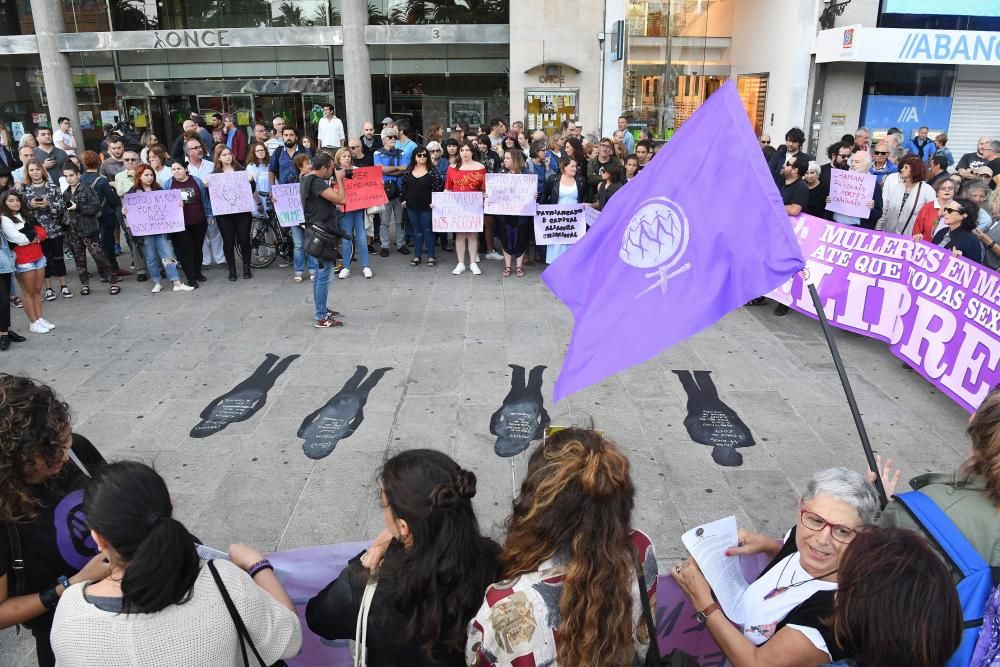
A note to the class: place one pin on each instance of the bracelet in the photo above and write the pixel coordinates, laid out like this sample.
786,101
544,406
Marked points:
263,564
49,598
64,582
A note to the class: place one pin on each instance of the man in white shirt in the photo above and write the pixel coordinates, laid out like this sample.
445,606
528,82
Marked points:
211,249
330,129
274,143
63,137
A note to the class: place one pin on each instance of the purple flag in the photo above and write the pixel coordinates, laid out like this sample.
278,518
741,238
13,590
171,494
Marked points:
699,232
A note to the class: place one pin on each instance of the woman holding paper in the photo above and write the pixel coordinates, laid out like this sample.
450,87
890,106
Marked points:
468,176
515,230
197,207
156,249
565,189
860,162
783,612
352,223
234,227
257,166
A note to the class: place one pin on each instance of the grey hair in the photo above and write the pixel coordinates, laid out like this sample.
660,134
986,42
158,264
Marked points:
863,129
995,146
969,186
848,486
813,166
863,155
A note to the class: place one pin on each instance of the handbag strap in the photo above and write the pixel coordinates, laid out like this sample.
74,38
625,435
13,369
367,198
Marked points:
913,195
361,627
653,652
17,558
241,629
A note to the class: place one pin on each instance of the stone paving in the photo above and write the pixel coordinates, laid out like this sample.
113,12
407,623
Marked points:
138,369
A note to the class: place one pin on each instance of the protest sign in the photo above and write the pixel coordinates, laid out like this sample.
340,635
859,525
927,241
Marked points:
590,215
850,192
457,211
364,189
155,212
288,204
939,313
560,223
511,194
230,193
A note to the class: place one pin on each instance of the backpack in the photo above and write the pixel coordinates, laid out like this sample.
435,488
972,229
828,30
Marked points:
976,585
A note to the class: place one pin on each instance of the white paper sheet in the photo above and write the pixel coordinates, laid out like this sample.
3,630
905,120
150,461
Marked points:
707,544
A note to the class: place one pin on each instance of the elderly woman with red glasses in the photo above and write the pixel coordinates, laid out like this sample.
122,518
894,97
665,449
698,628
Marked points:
787,606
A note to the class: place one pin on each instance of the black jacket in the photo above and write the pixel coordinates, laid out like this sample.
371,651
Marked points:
83,220
778,161
551,193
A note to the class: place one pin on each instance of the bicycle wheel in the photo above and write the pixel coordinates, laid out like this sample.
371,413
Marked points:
263,243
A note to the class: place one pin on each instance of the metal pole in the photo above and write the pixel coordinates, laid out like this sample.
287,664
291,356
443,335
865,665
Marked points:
846,383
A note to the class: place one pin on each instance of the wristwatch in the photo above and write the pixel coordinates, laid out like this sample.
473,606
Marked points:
702,616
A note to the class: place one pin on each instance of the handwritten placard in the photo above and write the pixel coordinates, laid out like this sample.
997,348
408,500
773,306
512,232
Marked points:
590,215
364,188
457,211
850,192
511,194
156,212
288,205
230,193
560,223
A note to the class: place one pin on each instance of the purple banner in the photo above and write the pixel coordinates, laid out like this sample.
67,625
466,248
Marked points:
938,312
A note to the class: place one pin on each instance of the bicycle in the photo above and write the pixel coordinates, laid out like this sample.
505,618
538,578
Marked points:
268,240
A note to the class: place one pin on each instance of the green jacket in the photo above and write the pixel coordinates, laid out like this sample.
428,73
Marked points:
966,504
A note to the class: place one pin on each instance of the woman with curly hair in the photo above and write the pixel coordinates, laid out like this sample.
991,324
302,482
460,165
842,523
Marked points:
41,498
570,590
970,497
430,582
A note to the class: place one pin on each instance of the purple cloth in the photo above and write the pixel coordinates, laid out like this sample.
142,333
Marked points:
700,231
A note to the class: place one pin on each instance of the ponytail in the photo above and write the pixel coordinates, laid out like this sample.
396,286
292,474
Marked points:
128,504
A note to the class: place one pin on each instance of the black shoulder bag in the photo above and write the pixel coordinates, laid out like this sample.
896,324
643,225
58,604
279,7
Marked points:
320,241
653,657
241,628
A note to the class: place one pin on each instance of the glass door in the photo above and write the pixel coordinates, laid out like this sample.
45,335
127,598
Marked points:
288,107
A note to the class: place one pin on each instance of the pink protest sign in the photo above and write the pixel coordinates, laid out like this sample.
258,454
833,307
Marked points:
850,192
288,204
511,194
457,211
230,192
156,212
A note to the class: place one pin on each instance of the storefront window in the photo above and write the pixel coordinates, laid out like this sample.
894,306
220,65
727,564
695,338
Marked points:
403,12
197,14
78,15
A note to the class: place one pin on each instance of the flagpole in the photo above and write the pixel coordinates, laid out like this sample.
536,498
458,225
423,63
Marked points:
846,383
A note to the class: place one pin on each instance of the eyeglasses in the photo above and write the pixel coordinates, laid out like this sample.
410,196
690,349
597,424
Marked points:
949,209
881,152
765,143
355,146
435,150
129,159
816,523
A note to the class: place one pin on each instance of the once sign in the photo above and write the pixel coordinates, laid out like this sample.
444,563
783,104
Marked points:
190,39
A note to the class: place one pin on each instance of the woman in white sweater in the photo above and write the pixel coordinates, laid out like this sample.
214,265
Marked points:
903,197
161,604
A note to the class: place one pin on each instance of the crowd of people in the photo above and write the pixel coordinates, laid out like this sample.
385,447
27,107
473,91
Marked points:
100,570
62,202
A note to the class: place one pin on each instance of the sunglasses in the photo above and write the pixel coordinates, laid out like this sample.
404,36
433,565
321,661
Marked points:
130,159
765,143
881,152
949,209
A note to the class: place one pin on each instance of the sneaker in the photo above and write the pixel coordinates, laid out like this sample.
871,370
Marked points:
327,323
46,323
50,294
297,278
118,249
367,272
17,302
66,294
282,264
475,269
38,328
312,277
183,288
476,260
459,269
344,273
403,250
494,255
157,287
384,252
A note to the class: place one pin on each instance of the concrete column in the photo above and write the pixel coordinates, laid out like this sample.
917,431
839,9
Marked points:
48,18
357,67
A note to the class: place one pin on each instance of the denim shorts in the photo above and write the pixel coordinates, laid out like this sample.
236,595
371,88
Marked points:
31,266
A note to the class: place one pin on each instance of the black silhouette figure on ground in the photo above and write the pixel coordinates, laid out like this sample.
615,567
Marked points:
244,400
522,417
711,422
341,416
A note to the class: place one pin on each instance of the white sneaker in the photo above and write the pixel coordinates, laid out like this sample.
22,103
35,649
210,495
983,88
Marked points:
46,323
475,269
344,273
312,277
181,287
157,287
494,255
476,260
368,272
38,328
460,269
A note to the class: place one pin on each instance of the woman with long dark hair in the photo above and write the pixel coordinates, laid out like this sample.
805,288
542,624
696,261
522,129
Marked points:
569,564
563,188
881,614
419,182
41,493
157,249
467,176
234,227
42,197
25,239
430,582
960,217
197,209
515,231
160,604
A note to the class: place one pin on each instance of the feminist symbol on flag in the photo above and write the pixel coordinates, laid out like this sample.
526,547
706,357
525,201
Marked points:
656,236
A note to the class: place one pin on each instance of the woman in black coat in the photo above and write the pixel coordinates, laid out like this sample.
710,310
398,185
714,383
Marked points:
960,216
